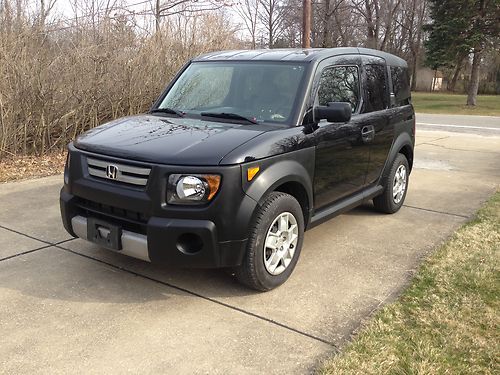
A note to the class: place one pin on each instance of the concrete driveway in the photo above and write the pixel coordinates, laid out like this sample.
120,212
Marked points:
68,306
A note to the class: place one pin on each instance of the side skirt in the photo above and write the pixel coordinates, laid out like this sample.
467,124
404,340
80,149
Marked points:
344,205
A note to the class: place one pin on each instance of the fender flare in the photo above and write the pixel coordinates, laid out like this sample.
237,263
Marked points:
279,170
403,140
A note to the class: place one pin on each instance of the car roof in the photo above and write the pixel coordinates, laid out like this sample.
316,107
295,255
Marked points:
298,54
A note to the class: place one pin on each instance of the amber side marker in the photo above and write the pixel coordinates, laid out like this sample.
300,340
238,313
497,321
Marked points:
213,182
251,172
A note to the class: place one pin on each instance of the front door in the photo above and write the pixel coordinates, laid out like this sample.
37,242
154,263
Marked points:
342,149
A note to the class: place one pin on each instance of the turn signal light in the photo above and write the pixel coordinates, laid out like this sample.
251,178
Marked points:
251,172
213,181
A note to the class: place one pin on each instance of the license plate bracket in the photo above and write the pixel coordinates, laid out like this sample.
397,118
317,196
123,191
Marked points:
104,234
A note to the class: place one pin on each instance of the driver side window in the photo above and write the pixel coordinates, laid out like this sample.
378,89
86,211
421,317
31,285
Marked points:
339,84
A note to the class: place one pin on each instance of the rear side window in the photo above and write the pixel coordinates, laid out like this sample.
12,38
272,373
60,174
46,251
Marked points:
375,88
339,84
401,85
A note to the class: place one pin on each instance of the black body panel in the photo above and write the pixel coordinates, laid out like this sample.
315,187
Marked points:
328,167
168,140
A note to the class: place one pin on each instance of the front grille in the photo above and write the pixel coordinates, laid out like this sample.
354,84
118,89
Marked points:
127,174
127,219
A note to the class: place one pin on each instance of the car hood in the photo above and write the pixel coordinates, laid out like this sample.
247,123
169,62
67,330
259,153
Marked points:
180,141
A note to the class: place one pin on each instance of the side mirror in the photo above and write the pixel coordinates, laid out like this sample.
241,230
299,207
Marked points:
334,112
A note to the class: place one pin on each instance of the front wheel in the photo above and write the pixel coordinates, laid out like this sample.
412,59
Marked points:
274,245
395,186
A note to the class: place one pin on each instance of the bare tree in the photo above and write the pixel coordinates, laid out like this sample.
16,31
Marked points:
291,35
306,24
46,7
166,8
413,16
248,10
273,14
90,68
327,11
369,10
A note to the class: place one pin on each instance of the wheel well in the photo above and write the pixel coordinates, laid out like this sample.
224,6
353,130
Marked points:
408,153
296,190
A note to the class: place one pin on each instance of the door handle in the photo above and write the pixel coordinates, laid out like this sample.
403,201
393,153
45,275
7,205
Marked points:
368,133
367,130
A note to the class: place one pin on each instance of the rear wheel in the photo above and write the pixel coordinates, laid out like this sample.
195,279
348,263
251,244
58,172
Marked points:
395,187
274,245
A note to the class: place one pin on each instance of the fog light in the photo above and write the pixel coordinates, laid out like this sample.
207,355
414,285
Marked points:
189,243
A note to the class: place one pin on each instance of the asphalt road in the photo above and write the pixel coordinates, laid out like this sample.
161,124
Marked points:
484,125
68,306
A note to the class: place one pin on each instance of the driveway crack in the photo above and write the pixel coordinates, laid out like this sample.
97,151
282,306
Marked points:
209,299
436,211
47,243
25,252
433,140
35,238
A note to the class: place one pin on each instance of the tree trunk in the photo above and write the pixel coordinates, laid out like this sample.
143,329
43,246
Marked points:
416,46
371,30
413,86
326,25
433,86
306,24
157,16
474,79
453,83
270,25
42,14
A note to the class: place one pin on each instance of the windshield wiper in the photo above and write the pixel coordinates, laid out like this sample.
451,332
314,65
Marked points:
230,116
168,110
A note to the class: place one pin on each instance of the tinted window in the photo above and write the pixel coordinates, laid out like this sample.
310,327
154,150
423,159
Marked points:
375,88
339,84
400,85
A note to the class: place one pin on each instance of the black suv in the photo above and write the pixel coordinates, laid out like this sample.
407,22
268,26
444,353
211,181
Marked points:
242,153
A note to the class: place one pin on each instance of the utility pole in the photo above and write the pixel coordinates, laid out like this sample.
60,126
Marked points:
306,23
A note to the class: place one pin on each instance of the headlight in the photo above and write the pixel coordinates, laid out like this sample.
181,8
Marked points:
192,189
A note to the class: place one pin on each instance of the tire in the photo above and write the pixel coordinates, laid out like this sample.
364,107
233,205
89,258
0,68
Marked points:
260,270
391,200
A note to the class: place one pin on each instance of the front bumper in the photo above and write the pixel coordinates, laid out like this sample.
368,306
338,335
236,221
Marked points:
211,236
174,242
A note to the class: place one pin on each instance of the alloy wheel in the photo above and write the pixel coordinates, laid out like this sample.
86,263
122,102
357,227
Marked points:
399,184
281,242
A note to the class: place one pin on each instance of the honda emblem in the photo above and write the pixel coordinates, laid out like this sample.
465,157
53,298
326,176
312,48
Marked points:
112,172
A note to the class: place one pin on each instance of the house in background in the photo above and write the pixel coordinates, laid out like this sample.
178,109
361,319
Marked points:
429,80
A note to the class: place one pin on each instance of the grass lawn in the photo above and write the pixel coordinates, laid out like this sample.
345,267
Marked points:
447,321
425,102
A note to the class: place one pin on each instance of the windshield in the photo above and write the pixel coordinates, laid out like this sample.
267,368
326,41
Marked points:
259,91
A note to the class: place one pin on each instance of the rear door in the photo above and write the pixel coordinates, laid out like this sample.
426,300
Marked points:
378,128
